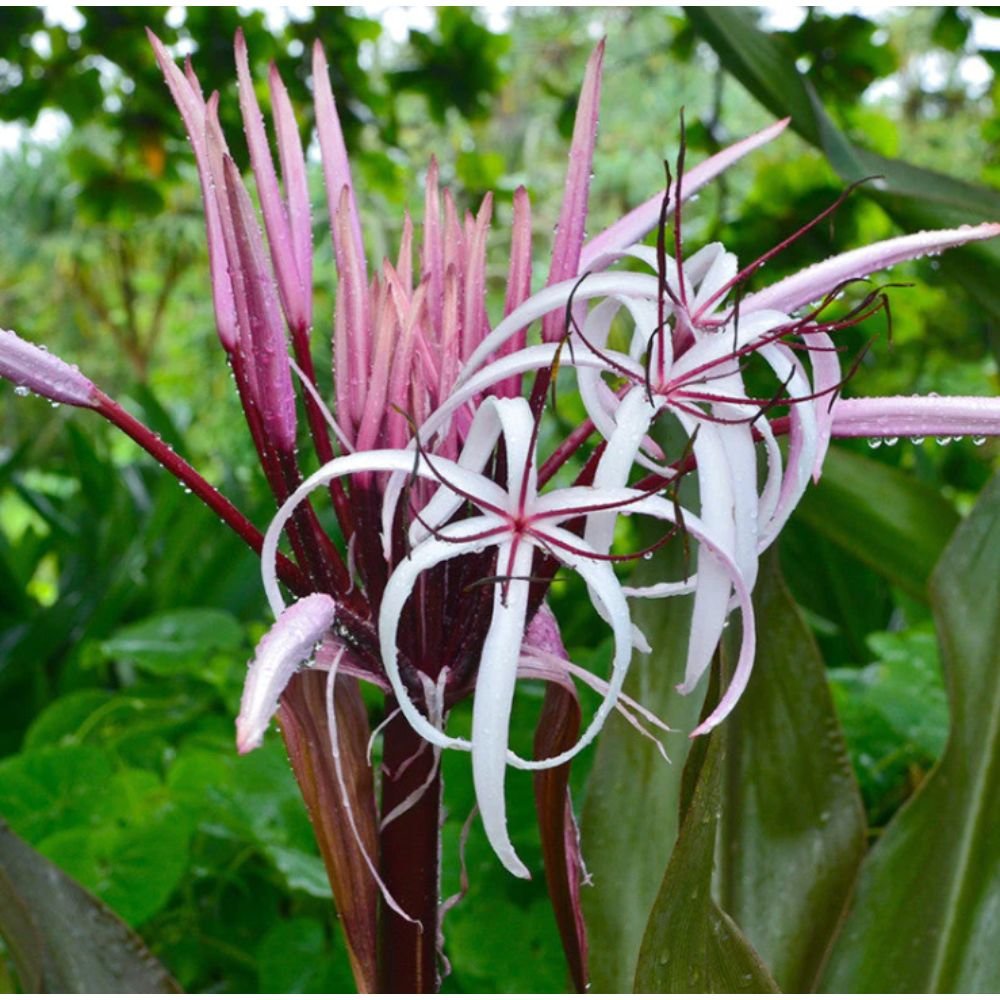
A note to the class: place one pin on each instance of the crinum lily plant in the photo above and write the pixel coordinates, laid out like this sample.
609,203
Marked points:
449,528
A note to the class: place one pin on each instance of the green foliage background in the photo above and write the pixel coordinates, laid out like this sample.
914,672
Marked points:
126,613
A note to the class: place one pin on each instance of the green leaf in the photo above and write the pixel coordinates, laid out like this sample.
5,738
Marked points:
134,867
792,829
884,517
895,717
924,918
295,957
690,944
177,641
61,938
629,820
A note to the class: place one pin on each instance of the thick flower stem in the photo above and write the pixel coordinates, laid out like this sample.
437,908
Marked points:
410,852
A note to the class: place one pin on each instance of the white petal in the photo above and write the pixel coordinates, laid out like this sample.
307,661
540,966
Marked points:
557,297
494,698
816,281
454,541
601,580
390,460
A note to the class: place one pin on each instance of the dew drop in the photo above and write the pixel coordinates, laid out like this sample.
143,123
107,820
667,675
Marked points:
979,440
647,555
874,442
916,440
943,440
890,441
21,390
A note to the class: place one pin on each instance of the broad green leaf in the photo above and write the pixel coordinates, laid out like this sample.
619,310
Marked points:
295,957
925,917
690,944
881,515
792,829
629,820
133,866
895,717
176,641
62,939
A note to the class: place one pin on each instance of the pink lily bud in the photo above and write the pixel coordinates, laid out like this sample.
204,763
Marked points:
33,369
288,644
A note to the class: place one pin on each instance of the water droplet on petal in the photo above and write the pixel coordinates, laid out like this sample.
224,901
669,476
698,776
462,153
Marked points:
890,441
943,440
978,440
21,390
874,442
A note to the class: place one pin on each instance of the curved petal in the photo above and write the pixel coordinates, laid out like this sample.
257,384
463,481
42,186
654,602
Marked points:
601,580
556,297
389,460
454,540
494,698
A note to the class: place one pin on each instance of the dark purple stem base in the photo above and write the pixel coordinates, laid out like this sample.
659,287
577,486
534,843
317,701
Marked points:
410,852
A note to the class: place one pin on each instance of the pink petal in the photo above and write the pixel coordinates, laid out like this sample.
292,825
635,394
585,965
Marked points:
258,314
296,181
187,96
573,216
279,232
518,280
336,166
917,416
816,281
634,226
284,648
33,368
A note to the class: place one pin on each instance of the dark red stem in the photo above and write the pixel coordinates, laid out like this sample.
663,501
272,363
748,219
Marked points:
289,573
410,851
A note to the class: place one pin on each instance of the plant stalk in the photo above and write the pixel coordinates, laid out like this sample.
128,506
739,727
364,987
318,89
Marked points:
410,851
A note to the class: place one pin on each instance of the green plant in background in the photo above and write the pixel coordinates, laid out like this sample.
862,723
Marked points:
868,522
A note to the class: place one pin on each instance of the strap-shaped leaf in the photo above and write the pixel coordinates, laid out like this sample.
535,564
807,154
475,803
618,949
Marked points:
924,916
883,516
690,944
792,824
62,939
629,820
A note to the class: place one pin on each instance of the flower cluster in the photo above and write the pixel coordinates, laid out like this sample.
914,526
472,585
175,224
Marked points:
429,453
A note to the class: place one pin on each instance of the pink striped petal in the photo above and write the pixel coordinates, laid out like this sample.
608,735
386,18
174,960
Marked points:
279,234
285,647
187,96
816,281
296,181
917,416
258,314
573,216
33,368
640,221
